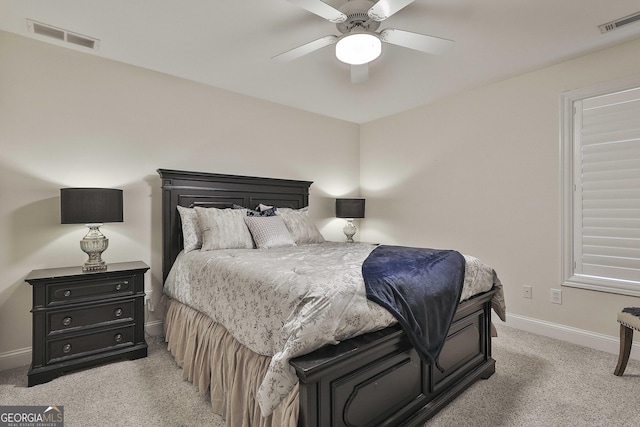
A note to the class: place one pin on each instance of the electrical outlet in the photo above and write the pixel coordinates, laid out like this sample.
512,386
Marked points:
148,300
556,296
527,292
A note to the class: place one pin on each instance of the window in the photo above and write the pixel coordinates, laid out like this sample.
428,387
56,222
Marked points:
601,187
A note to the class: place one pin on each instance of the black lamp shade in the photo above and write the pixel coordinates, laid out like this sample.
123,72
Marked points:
90,205
350,208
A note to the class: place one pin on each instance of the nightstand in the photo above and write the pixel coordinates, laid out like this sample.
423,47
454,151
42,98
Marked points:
83,319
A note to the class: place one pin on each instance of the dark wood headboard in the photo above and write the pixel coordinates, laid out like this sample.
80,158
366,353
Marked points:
191,189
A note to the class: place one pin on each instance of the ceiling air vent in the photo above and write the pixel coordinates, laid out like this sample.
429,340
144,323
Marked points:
614,25
62,35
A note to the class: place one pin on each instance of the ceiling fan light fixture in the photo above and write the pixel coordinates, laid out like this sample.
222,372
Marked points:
358,48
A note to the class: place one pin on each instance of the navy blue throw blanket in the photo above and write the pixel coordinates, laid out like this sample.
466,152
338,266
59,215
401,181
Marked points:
421,288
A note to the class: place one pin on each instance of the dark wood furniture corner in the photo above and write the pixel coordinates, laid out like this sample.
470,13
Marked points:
83,319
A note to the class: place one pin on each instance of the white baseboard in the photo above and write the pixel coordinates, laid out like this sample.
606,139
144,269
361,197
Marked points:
577,336
15,358
154,328
22,357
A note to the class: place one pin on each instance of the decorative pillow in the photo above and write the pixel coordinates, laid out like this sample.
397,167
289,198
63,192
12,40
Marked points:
264,210
191,232
223,229
269,231
258,212
300,226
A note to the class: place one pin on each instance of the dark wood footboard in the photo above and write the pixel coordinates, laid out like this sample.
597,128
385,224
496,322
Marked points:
378,379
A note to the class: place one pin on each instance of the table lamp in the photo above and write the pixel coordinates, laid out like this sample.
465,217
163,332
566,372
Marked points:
92,207
349,209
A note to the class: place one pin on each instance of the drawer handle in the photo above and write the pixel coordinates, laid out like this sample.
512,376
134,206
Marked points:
67,293
117,337
118,312
66,348
122,285
66,321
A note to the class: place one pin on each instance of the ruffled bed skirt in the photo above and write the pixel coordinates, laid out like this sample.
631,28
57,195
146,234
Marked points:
214,361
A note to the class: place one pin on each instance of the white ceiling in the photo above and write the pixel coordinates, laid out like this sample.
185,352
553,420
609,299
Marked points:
229,44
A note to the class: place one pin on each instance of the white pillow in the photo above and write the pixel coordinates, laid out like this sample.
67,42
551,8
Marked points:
269,231
300,226
224,229
191,233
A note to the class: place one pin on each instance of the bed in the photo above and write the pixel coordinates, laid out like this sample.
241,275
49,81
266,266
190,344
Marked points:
373,378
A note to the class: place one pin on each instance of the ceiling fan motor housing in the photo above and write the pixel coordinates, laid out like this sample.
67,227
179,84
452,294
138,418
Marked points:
357,17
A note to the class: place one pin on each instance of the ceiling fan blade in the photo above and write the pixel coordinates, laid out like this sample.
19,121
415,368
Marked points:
421,42
299,51
359,73
385,8
321,9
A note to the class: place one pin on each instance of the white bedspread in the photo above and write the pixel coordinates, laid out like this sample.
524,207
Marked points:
285,302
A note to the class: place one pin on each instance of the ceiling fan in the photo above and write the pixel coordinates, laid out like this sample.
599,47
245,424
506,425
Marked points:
359,43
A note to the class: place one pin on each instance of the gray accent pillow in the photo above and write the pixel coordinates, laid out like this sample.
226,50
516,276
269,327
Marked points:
191,232
223,229
269,231
300,226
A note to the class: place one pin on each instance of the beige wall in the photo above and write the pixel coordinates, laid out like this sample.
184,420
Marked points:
72,119
480,172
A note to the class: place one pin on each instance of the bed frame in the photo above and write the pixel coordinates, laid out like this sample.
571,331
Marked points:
373,379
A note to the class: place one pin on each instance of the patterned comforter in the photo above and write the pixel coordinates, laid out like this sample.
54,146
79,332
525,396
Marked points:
285,302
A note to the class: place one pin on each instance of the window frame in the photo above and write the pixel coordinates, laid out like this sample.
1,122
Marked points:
569,157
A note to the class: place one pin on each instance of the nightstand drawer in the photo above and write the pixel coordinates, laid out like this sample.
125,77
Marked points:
69,292
83,345
71,319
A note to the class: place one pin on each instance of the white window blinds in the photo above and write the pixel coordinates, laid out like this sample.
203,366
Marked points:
606,184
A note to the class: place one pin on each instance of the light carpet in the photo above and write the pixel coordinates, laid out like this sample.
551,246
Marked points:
539,381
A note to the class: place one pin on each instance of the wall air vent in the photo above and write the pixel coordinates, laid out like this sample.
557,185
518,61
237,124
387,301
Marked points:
614,25
62,35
